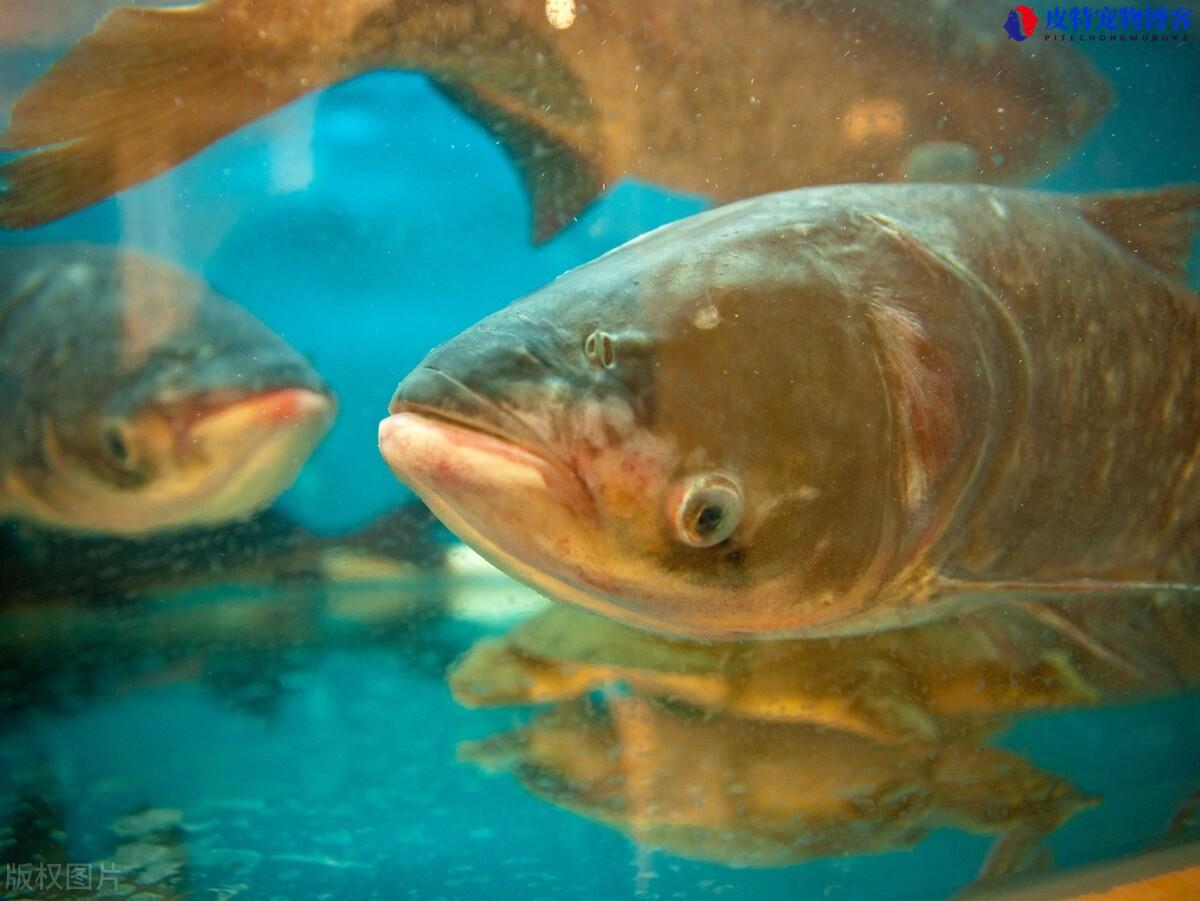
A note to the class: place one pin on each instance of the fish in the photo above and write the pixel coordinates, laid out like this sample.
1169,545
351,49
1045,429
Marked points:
957,676
743,793
134,399
832,411
724,98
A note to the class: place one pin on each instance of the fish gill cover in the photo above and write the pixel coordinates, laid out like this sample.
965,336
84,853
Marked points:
1021,22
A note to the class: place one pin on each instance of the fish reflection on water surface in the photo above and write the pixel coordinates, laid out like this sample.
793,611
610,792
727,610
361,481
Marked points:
725,98
753,793
135,399
833,410
963,675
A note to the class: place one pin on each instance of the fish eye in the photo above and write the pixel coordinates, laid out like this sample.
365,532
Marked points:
709,510
600,349
116,446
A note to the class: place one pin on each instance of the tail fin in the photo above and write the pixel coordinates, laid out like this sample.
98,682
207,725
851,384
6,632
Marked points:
1158,226
147,89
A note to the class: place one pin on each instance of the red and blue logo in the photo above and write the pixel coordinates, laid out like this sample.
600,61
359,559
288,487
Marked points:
1021,22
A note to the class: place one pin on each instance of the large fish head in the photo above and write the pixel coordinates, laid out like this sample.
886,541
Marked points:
689,434
162,405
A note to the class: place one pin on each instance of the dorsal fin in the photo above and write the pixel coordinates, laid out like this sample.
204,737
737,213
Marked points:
1158,225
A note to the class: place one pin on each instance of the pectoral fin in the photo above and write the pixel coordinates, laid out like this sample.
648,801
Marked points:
1123,633
1126,638
997,589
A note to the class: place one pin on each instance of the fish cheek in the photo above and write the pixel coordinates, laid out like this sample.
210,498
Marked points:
727,566
820,545
817,470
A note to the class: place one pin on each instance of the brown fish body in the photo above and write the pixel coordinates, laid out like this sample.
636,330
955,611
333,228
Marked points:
1051,422
728,98
735,99
832,410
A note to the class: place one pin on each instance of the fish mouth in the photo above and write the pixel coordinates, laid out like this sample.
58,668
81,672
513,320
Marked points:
469,419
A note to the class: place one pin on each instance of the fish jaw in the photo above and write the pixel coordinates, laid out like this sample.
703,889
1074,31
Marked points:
446,438
526,513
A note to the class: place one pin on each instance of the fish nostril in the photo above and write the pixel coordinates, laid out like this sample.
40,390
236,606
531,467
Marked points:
600,349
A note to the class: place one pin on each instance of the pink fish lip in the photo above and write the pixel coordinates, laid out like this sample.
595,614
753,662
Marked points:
439,396
560,478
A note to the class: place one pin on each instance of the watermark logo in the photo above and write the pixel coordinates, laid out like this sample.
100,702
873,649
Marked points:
62,877
1125,24
1021,23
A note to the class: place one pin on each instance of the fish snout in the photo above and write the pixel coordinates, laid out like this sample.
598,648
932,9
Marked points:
485,364
431,392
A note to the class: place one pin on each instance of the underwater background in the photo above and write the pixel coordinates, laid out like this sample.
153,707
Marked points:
365,224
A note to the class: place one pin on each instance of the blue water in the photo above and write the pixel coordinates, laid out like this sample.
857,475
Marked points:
350,787
366,224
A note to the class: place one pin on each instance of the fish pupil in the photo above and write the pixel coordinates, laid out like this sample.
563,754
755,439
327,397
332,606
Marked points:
115,445
709,519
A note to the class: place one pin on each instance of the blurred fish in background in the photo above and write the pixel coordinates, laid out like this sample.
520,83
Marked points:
134,399
698,97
